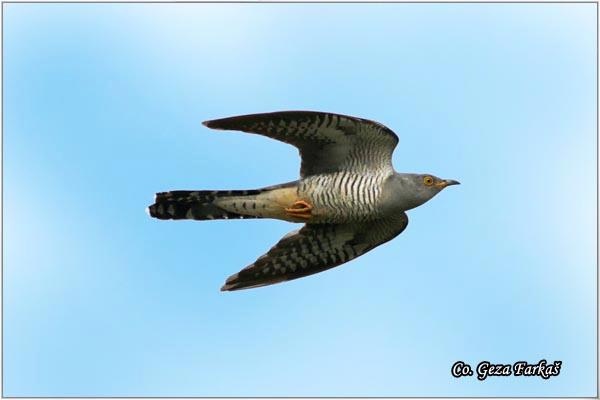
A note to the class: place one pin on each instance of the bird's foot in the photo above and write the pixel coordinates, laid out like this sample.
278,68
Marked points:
300,209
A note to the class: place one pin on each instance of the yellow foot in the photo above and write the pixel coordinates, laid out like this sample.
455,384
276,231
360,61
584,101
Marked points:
300,209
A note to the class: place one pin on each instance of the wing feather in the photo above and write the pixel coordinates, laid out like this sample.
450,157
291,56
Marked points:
327,142
316,248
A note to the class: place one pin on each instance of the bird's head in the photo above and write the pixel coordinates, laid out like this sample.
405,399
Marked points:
406,191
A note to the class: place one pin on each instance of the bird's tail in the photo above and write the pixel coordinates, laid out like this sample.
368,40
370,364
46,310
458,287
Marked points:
214,204
196,204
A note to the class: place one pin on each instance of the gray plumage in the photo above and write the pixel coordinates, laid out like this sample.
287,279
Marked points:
349,195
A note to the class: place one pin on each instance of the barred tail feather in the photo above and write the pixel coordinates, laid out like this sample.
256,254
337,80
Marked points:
197,204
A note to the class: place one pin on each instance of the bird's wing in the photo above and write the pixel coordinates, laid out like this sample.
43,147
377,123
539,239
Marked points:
327,142
315,248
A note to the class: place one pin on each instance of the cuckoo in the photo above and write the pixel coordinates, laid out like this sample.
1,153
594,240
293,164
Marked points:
349,196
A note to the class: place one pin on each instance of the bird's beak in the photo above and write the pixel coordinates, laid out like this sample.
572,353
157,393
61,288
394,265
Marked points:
447,182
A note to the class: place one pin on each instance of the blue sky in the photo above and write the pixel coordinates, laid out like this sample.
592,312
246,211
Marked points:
102,108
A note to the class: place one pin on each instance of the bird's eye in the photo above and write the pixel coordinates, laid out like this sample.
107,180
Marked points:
428,180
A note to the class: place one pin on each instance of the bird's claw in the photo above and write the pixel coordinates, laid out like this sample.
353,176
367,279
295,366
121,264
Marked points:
300,209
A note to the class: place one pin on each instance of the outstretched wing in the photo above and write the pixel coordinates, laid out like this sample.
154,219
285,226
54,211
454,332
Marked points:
327,142
315,248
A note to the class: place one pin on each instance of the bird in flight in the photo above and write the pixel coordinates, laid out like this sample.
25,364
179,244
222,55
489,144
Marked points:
349,196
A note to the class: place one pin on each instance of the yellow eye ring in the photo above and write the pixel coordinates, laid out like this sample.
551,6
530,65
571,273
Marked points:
428,180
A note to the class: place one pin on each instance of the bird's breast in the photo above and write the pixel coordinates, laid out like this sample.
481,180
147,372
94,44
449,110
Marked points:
343,196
